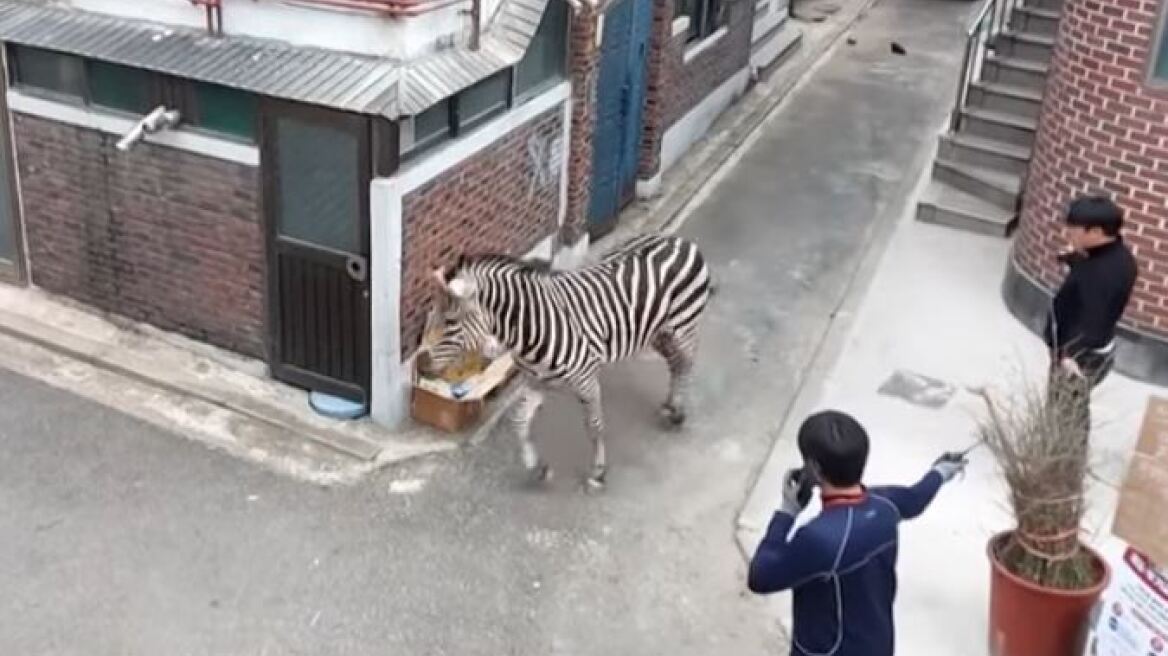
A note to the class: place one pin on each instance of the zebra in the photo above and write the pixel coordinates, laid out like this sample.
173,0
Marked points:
562,326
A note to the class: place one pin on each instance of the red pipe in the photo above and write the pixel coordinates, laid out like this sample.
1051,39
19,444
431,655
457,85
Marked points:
393,8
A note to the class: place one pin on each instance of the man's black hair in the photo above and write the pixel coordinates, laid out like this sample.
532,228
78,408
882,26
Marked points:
838,445
1096,212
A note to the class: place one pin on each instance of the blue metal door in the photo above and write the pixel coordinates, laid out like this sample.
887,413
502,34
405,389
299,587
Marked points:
620,99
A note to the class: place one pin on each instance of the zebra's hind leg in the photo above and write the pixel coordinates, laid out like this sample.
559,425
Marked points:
678,352
589,395
522,414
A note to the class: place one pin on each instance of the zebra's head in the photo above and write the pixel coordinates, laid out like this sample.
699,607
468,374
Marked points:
457,323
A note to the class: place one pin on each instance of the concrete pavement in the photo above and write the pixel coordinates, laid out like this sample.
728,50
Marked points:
934,308
121,540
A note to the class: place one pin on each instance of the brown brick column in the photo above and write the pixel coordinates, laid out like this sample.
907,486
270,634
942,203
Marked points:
1102,129
663,52
584,68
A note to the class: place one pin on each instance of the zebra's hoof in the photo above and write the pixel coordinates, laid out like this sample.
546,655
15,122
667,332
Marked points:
671,418
596,481
540,474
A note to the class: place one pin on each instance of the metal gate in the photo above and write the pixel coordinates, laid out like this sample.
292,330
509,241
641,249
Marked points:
620,99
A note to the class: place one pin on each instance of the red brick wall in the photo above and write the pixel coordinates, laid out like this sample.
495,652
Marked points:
584,68
492,202
1103,129
676,86
156,234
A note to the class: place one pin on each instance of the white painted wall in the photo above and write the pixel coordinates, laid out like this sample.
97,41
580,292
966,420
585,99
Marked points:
307,24
392,379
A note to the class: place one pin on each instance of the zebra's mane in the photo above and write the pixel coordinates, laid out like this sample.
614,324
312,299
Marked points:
499,261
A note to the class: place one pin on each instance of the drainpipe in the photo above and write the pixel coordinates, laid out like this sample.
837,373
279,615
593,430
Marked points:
391,8
476,18
214,15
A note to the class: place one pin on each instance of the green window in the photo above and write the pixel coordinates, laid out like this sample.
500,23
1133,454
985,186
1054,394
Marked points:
122,88
1160,64
224,110
546,58
46,70
431,126
484,100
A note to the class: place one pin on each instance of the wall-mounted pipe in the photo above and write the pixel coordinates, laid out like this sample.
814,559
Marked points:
476,22
214,10
391,8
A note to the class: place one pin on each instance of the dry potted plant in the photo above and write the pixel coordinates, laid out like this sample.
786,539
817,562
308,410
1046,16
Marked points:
1044,578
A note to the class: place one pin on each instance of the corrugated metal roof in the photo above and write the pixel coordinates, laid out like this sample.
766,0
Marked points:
366,85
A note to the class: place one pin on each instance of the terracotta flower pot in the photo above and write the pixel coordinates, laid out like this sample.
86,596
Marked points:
1029,620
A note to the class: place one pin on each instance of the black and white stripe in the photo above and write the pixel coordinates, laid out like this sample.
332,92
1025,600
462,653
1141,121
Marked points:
562,326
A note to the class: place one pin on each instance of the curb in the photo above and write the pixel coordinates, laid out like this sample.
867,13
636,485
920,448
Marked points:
756,511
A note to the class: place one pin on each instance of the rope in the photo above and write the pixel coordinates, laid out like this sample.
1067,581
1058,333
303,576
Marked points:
1026,540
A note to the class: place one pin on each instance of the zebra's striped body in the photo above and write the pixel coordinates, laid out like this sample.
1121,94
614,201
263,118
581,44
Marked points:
561,327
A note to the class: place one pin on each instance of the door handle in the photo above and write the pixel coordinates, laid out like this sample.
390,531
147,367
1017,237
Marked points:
357,267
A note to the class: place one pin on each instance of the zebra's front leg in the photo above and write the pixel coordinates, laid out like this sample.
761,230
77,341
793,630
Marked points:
522,415
589,395
679,358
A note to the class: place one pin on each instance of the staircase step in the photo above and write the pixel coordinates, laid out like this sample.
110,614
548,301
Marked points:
1001,126
1024,45
1015,72
988,153
1035,20
945,205
995,187
1005,98
1055,5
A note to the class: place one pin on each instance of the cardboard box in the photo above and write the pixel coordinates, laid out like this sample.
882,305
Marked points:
434,403
1141,519
443,412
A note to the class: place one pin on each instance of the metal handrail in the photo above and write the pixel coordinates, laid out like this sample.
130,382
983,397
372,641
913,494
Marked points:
991,19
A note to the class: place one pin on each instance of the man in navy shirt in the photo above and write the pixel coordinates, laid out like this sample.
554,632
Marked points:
841,565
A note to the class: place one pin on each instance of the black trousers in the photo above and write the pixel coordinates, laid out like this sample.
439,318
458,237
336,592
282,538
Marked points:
1077,390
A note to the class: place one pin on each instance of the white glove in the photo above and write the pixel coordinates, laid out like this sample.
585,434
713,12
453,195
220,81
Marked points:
1071,368
949,465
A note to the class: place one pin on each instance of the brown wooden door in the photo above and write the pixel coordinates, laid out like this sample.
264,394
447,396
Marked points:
316,178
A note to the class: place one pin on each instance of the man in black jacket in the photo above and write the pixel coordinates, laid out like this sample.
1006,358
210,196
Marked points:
1080,331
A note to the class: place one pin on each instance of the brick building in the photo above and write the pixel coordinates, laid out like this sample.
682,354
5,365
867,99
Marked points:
306,164
1103,128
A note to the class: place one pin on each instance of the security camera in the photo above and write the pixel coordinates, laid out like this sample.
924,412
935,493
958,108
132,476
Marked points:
157,120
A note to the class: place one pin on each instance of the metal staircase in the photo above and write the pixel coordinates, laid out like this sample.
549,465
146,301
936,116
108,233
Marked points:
981,161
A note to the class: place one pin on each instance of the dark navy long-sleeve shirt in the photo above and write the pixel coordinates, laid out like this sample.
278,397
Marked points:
841,567
1090,302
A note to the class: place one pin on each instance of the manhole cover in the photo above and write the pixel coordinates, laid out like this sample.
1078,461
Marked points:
917,389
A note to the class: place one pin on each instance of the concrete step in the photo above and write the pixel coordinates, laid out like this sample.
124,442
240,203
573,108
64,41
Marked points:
1005,98
987,153
1016,72
777,47
994,187
1035,20
1025,45
1000,126
766,25
942,204
1054,5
